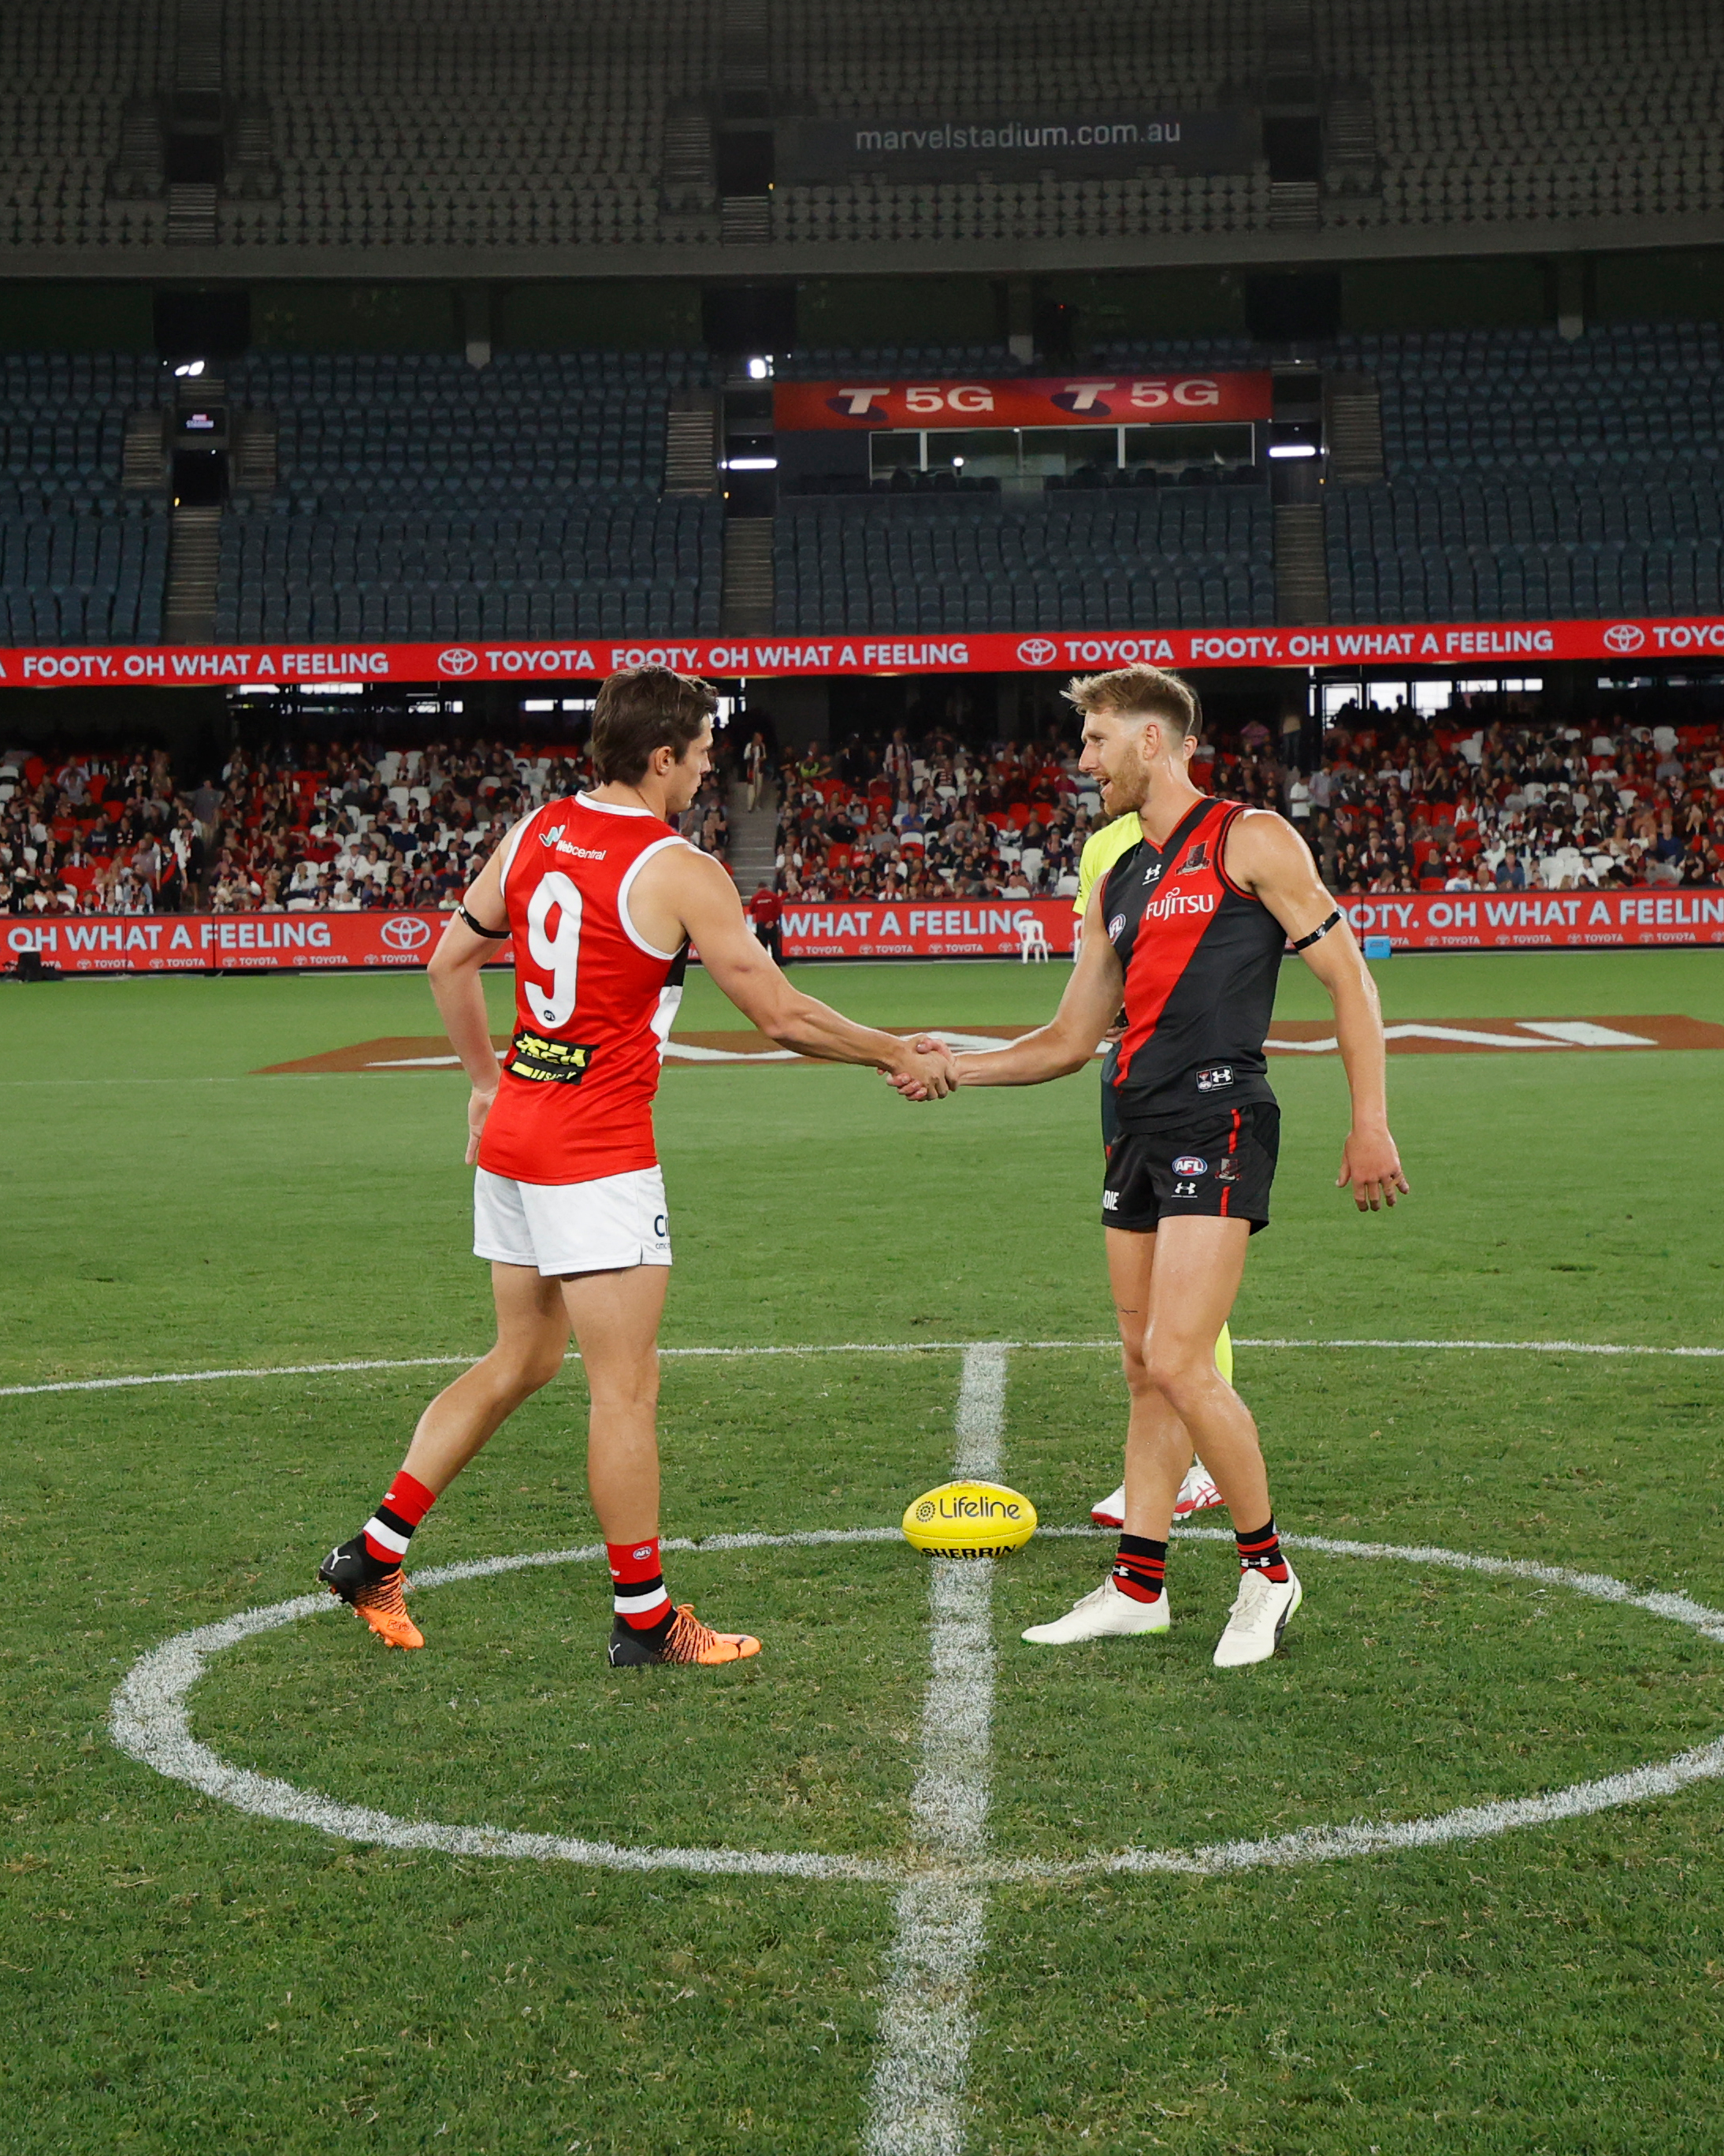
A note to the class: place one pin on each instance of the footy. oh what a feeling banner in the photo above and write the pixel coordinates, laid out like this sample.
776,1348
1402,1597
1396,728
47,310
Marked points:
856,928
860,652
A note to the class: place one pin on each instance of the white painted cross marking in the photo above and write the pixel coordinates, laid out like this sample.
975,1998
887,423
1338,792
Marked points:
926,2020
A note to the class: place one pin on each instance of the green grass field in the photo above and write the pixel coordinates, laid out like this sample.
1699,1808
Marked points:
180,1976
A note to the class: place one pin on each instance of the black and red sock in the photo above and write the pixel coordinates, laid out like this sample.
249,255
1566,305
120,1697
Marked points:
390,1528
1141,1569
1261,1551
637,1594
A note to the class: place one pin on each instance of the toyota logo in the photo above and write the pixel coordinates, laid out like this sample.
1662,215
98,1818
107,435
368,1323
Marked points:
1625,636
458,659
1038,651
406,931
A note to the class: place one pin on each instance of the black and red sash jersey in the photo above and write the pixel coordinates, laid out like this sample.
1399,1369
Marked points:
1200,957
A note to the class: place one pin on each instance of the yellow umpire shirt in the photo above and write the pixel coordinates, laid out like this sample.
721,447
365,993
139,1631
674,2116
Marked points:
1101,849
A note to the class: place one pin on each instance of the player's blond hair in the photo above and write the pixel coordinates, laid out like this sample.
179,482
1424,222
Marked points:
1138,692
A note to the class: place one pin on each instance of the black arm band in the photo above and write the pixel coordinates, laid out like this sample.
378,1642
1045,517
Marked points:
1304,943
498,935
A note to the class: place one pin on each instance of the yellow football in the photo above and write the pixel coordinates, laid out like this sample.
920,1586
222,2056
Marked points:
969,1519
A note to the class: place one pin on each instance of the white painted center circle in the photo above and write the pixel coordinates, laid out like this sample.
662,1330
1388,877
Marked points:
151,1722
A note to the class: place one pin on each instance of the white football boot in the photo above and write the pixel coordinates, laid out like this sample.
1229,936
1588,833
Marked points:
1197,1494
1105,1614
1257,1619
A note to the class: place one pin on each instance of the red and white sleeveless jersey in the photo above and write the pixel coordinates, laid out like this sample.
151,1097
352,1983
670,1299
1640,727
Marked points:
593,1000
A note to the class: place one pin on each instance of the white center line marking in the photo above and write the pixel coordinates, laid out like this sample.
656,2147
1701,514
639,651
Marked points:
837,1348
926,2019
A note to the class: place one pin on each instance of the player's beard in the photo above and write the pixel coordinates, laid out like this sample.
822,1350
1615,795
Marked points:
1127,791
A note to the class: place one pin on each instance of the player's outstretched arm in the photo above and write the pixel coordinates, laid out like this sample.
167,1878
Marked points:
695,888
1072,1036
1267,856
455,982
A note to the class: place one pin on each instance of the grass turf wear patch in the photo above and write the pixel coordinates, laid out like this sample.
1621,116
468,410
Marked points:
182,1973
426,1052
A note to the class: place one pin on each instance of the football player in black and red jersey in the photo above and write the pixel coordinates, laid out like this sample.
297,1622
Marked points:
1188,928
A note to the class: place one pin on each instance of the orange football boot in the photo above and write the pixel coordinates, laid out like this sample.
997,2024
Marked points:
688,1641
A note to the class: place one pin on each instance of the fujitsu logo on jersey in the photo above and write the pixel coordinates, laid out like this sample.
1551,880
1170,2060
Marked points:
1172,903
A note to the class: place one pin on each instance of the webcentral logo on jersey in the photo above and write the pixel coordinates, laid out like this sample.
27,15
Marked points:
559,1062
580,852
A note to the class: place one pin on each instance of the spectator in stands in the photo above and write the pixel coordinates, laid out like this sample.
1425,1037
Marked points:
756,763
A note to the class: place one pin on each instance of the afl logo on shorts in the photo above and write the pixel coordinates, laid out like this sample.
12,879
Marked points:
1114,926
1189,1163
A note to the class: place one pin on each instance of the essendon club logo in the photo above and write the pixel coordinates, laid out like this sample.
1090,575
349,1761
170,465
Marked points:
1197,858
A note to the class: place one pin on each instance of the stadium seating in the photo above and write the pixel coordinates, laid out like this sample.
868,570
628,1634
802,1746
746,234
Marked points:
434,123
597,568
1480,117
377,123
421,496
1532,475
65,76
1182,558
79,563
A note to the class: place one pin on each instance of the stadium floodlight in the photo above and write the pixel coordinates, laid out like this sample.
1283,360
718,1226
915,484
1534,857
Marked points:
188,370
751,464
759,368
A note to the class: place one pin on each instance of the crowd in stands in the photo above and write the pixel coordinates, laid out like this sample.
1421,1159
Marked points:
336,828
1397,803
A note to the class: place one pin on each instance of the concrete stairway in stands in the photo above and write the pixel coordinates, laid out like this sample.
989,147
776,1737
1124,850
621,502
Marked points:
193,553
692,443
1352,430
753,854
745,595
1301,564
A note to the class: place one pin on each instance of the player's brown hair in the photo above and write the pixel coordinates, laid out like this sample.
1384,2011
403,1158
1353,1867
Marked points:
1139,692
642,709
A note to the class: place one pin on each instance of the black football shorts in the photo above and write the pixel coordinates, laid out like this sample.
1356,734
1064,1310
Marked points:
1218,1164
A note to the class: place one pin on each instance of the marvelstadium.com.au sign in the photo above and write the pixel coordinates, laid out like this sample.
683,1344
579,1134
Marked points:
963,144
312,666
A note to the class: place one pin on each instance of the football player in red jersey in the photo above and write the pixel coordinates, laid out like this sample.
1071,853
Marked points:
1188,928
602,900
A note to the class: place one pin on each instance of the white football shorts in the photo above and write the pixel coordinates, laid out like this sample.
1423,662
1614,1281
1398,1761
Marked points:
603,1226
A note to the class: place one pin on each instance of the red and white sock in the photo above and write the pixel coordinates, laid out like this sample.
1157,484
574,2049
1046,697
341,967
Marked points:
638,1584
390,1528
